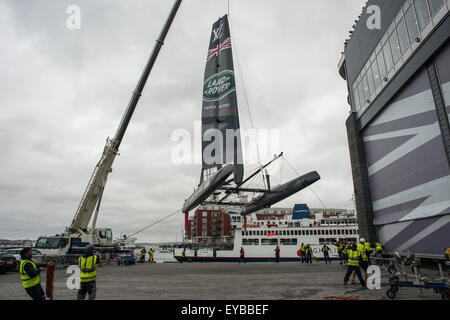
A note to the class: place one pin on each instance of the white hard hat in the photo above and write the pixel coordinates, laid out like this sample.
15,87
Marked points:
362,240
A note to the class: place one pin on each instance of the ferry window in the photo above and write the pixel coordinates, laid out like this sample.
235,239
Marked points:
435,5
402,36
288,242
423,16
271,241
307,232
303,232
411,24
250,242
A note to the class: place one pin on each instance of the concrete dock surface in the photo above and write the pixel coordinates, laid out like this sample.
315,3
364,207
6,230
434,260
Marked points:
215,281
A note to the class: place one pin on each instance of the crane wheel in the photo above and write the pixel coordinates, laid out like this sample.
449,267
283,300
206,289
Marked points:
391,293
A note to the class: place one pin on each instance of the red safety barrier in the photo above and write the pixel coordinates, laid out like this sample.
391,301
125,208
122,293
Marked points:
49,281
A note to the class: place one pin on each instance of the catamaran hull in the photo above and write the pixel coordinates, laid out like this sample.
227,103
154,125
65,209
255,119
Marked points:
281,192
207,188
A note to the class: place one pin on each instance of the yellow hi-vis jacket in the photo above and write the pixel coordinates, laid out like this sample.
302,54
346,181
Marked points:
353,257
378,247
87,266
27,281
325,248
302,248
362,251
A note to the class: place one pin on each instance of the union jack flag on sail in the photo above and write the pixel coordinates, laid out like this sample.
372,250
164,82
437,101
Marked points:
226,44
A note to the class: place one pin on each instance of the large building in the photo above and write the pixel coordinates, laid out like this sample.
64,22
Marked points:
398,79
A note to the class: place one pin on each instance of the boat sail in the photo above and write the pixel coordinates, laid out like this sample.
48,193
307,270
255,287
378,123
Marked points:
220,109
221,141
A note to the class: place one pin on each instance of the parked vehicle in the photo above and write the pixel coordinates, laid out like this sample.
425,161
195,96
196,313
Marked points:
8,263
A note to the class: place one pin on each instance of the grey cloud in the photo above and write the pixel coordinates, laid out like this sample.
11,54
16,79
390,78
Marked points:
64,91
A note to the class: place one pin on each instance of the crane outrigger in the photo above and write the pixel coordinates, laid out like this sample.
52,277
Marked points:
78,234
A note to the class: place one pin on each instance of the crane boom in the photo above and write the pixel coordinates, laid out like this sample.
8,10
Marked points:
94,190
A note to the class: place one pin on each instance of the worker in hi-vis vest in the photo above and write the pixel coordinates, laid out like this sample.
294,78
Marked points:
303,252
354,258
30,275
88,276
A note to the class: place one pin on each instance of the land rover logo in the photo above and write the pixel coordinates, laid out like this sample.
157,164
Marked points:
219,85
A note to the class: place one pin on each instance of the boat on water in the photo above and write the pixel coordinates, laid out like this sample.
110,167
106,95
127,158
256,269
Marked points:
260,233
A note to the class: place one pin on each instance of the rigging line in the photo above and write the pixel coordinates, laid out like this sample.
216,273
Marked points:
245,92
160,220
309,187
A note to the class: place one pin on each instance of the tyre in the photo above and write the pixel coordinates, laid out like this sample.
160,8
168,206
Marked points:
391,269
390,294
443,291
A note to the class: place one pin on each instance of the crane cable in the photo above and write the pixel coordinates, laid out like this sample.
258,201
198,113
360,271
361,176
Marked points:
309,187
156,222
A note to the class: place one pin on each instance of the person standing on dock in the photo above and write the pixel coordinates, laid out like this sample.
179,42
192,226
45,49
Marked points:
302,250
344,252
340,248
326,254
88,276
277,254
143,252
308,252
242,256
29,273
354,258
150,255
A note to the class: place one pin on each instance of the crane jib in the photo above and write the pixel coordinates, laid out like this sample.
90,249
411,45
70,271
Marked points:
91,197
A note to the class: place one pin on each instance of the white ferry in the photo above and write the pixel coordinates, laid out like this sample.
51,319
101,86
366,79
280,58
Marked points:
263,231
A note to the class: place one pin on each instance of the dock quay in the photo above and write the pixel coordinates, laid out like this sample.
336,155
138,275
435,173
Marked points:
215,281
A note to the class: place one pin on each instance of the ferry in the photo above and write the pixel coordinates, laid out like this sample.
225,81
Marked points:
260,233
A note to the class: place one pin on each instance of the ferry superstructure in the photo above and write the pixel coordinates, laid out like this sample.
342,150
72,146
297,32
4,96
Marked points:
260,233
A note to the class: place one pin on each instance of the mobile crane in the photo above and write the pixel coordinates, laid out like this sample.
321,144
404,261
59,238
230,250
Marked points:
79,234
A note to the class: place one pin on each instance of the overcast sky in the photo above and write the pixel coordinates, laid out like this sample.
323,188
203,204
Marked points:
64,91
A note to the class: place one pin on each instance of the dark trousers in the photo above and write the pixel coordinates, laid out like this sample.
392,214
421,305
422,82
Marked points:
350,270
36,292
89,288
326,257
242,258
277,258
303,256
308,258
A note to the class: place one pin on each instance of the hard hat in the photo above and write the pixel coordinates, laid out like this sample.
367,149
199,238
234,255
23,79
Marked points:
362,240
